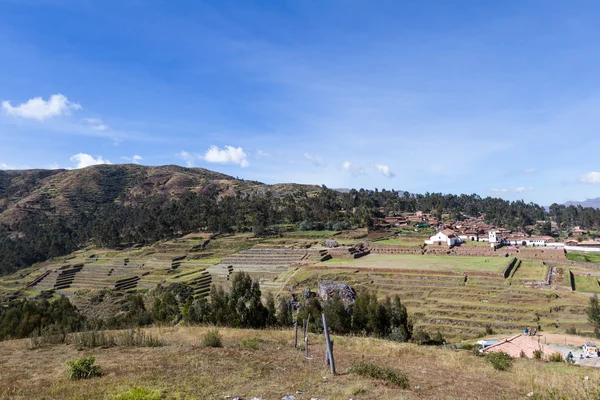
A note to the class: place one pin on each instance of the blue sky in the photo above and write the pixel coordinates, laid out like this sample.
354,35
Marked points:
494,98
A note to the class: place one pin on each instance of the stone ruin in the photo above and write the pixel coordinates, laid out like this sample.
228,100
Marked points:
331,243
328,289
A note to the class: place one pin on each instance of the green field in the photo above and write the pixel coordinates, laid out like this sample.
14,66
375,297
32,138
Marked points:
475,244
588,284
397,242
583,257
315,234
424,262
531,271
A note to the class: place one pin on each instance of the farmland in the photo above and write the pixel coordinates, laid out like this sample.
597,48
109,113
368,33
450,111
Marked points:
462,296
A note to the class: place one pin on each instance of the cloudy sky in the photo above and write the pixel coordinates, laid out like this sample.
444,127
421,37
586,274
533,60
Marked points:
495,98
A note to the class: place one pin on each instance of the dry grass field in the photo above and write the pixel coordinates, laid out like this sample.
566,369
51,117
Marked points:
183,369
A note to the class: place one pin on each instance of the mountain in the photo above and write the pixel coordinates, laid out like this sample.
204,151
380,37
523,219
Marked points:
594,203
25,192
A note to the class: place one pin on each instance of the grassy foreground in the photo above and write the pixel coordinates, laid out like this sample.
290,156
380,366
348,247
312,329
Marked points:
183,369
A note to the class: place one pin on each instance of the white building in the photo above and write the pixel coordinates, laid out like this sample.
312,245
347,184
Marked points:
534,241
445,237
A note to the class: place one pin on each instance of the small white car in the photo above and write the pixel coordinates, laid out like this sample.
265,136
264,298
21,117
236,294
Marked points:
590,350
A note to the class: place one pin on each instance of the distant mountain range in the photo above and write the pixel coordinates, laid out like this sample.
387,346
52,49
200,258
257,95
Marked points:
595,203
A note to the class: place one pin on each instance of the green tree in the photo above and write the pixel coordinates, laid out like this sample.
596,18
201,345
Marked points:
593,313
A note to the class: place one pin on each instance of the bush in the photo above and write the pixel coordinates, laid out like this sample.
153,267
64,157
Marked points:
556,357
420,336
467,346
212,338
537,354
139,393
92,339
251,344
477,350
139,339
489,330
500,361
572,330
382,372
398,334
133,338
83,368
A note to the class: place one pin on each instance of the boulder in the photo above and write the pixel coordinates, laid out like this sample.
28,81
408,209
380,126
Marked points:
329,289
331,243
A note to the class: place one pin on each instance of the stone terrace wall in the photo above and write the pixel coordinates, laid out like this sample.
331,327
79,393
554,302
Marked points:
542,254
391,249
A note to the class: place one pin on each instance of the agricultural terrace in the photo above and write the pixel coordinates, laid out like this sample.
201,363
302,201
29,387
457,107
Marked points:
462,296
400,242
583,257
425,263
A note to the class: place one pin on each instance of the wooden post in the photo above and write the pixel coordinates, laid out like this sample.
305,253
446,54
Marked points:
304,328
306,347
295,334
328,345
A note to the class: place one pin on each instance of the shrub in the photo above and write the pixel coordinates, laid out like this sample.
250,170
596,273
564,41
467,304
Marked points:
489,330
398,334
477,350
139,339
556,357
212,338
467,346
537,354
572,330
139,393
133,338
92,339
83,368
382,372
522,354
251,344
500,361
420,336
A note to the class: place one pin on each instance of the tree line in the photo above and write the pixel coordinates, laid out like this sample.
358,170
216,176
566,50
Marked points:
242,306
117,224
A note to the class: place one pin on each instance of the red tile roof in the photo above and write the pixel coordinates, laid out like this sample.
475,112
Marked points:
521,343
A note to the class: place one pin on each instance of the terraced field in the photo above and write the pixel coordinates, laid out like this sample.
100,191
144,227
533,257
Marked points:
462,304
460,295
425,262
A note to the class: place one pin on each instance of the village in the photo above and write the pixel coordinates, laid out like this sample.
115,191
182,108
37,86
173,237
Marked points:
475,229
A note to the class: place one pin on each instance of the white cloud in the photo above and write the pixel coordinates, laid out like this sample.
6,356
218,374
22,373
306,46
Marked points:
519,189
261,154
85,160
4,166
135,159
590,177
526,171
38,108
229,155
316,160
189,158
354,169
96,124
522,189
385,170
